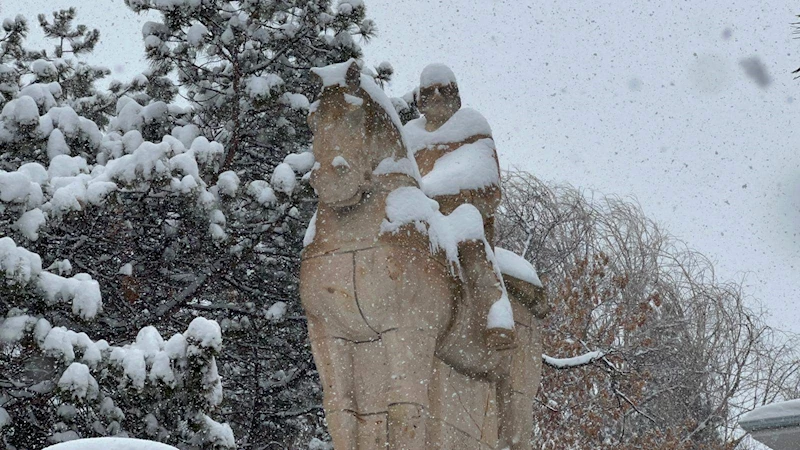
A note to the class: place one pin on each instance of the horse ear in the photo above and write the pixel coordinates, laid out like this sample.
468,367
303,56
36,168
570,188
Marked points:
353,77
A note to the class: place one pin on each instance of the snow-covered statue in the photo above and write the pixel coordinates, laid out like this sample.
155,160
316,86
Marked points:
408,355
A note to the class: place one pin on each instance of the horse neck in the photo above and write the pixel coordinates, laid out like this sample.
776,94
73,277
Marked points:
359,226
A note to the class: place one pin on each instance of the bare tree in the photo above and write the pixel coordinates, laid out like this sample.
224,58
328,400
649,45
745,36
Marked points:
679,354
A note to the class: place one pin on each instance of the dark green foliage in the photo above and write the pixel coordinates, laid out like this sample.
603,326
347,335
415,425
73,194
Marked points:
196,251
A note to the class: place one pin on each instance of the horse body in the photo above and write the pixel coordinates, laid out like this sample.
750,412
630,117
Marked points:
388,319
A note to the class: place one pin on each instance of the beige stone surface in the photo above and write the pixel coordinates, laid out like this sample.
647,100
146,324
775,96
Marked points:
373,431
400,343
371,375
527,295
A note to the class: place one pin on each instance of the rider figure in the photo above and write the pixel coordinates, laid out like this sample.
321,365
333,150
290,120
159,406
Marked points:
446,128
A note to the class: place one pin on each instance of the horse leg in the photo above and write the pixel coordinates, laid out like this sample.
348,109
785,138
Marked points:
485,288
505,413
409,354
334,360
516,391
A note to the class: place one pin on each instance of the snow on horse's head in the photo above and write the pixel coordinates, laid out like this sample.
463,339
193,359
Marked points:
355,128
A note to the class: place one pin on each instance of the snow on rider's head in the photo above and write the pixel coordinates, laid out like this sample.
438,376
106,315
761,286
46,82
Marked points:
436,74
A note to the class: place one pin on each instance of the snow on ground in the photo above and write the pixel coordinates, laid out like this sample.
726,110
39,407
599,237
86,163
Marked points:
110,443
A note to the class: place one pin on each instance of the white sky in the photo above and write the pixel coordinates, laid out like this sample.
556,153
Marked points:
644,99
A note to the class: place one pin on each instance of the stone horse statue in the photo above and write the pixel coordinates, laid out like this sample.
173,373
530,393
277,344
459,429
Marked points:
402,358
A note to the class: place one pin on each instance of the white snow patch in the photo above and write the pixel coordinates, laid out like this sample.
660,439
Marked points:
81,289
262,85
176,346
276,311
62,166
311,231
465,123
196,34
28,223
35,171
436,73
44,68
772,411
283,179
132,361
501,314
126,269
17,187
56,144
19,264
410,206
12,329
44,94
217,232
203,333
228,183
516,266
563,363
339,161
79,382
296,101
109,443
21,111
300,162
401,165
219,434
262,192
334,74
469,167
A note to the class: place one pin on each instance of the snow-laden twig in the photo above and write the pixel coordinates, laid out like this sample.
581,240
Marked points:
577,361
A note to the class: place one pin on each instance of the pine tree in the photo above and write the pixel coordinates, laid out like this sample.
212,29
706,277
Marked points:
61,378
244,65
244,68
175,211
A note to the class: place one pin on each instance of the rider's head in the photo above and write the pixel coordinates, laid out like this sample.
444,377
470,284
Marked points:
438,94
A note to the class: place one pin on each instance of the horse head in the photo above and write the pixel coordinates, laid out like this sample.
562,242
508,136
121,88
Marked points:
353,133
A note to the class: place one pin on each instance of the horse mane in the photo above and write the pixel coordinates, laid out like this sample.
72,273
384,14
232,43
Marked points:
384,130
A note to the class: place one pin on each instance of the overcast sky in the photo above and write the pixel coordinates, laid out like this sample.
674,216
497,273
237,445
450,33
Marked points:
685,106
